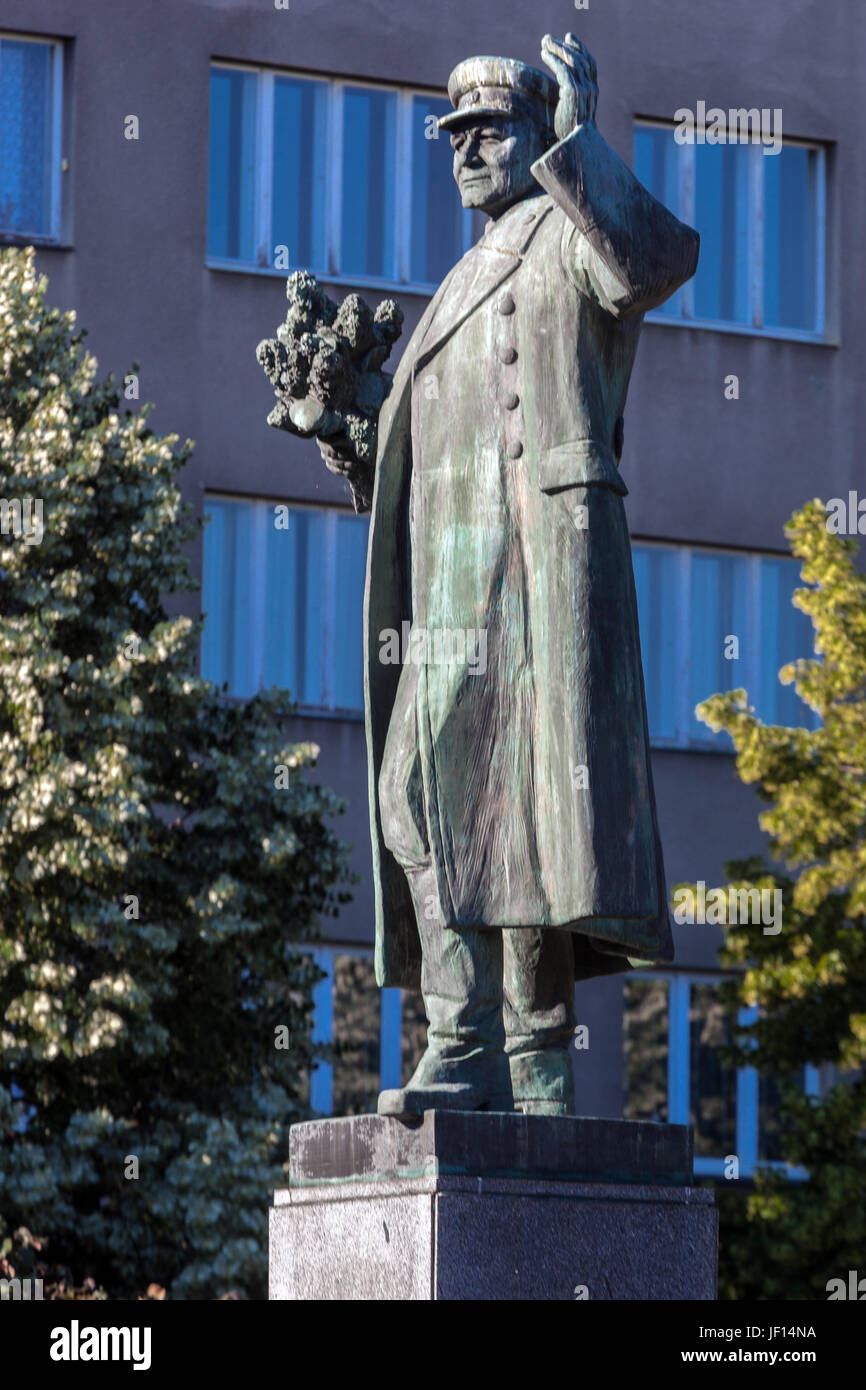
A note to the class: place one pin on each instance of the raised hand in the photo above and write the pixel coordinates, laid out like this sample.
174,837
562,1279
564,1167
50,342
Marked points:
573,66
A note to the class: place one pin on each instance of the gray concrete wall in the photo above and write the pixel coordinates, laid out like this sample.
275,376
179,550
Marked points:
699,468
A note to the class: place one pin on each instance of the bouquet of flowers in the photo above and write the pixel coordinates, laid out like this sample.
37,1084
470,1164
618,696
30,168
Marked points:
325,366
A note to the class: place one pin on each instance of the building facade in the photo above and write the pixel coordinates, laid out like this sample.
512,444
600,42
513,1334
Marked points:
174,160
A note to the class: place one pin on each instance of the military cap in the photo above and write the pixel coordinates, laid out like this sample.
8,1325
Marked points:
502,87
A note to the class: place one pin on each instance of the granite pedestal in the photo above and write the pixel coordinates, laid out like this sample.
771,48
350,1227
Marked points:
491,1206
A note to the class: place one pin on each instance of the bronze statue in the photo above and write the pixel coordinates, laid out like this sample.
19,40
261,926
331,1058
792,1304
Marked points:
515,844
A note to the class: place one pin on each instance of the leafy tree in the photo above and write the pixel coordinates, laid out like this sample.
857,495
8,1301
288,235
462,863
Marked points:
163,858
787,1239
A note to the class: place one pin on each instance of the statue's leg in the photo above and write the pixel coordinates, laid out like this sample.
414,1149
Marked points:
538,1011
464,1066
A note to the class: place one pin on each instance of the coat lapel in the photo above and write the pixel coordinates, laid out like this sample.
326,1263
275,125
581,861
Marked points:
488,265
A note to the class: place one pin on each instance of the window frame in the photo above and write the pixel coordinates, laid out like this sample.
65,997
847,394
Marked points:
749,660
685,178
53,236
257,625
679,985
263,191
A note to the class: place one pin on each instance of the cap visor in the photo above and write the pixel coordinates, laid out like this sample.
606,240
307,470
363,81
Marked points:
473,114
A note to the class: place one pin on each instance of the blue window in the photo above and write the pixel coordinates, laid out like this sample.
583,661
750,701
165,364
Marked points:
378,1035
438,236
712,621
348,180
368,246
284,604
300,163
721,182
673,1027
656,573
232,223
792,193
30,113
761,218
719,628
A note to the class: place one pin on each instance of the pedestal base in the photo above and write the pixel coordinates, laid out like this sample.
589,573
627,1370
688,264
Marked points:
491,1206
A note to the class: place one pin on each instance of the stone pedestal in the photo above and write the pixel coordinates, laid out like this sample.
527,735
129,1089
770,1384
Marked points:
491,1206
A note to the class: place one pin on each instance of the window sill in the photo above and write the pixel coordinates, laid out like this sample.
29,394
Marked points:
41,243
745,330
681,745
364,282
344,716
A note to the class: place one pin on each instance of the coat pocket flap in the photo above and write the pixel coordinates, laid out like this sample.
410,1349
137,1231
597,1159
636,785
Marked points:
579,463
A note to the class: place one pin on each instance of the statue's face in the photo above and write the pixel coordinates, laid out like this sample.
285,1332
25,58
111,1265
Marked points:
492,162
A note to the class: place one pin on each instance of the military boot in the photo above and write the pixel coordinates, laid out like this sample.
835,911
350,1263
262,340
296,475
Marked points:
538,1009
464,1066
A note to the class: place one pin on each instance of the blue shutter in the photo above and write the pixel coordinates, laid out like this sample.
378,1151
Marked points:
786,634
437,214
242,680
26,111
790,227
719,609
282,594
369,183
216,596
311,644
226,597
352,532
655,572
232,165
721,286
300,167
293,607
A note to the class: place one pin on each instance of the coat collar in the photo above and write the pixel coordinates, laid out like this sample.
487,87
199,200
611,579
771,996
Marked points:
495,256
514,230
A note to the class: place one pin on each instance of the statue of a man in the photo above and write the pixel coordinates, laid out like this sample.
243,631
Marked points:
515,845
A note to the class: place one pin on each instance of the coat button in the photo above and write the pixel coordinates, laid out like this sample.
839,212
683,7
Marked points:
511,401
515,449
508,355
506,304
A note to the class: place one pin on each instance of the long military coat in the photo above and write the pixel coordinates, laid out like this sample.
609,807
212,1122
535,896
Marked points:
509,747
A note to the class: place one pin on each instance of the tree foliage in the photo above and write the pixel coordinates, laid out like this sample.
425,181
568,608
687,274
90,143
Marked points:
808,983
157,879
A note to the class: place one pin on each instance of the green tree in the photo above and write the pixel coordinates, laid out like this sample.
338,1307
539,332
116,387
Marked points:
163,858
788,1239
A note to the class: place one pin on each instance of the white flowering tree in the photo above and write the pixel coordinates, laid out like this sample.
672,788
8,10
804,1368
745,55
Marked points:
157,879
